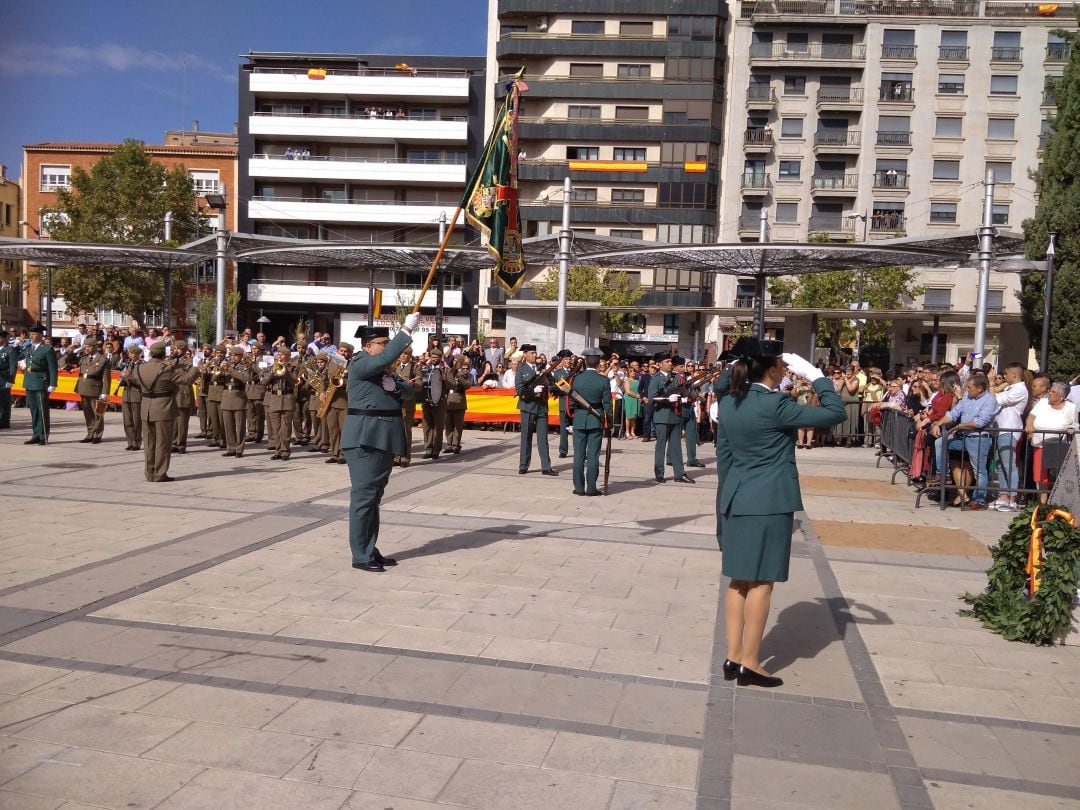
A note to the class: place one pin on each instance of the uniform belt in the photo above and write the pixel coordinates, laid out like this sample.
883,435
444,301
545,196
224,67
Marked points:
234,387
156,394
374,412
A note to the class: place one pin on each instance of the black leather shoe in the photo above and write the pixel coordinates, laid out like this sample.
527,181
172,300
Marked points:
95,441
388,562
330,460
731,669
694,464
594,494
549,472
426,455
748,677
166,479
647,439
276,457
578,492
522,471
181,450
660,479
372,567
683,479
562,455
213,444
85,441
33,441
230,453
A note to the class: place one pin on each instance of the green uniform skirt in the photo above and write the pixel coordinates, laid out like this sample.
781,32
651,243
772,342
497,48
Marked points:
757,548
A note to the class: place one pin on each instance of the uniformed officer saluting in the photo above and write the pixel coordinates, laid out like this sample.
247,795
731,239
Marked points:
93,388
595,389
39,381
533,404
667,418
373,435
158,381
9,366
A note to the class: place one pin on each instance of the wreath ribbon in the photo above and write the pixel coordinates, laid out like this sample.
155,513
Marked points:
1035,549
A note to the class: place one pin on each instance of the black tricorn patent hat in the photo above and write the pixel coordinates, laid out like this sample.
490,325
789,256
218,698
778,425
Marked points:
749,348
366,333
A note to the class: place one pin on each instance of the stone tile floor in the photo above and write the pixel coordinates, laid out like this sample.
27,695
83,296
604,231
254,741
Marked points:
206,645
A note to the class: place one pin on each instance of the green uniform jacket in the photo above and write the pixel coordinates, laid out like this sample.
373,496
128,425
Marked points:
384,430
664,411
9,364
528,401
596,389
755,447
556,375
40,367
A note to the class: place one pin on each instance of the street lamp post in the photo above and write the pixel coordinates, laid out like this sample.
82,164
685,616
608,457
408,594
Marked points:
1044,355
564,266
218,201
441,281
986,253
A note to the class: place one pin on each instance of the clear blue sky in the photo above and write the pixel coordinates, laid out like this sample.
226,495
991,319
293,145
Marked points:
76,70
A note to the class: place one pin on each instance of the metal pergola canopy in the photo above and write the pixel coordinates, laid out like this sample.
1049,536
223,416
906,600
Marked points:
47,253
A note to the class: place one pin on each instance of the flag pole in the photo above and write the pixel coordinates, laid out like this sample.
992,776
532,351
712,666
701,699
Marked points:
461,204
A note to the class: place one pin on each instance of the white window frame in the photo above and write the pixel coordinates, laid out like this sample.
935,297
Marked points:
205,181
55,176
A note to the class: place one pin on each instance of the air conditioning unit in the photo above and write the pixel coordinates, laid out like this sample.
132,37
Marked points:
541,23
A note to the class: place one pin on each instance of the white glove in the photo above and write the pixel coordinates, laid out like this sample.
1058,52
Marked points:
803,368
673,398
22,365
51,388
103,397
388,383
538,390
7,385
412,320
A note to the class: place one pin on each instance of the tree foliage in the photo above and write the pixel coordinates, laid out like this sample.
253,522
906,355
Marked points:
1059,210
882,288
122,200
612,288
206,314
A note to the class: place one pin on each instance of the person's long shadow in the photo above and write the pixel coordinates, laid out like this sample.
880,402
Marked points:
474,538
805,629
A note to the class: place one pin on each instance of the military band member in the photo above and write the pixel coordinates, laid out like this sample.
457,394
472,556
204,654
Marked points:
334,422
158,381
131,398
215,381
689,421
185,398
667,418
373,436
303,418
39,380
458,382
313,388
9,367
589,428
93,388
409,373
280,403
234,402
533,404
204,357
256,413
563,372
433,402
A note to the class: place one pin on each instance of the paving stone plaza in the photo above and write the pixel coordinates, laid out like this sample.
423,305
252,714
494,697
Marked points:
205,643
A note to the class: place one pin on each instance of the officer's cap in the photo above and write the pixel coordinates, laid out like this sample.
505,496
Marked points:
136,348
89,343
39,328
678,361
566,353
660,357
157,350
233,350
592,352
366,333
749,348
434,351
528,347
346,346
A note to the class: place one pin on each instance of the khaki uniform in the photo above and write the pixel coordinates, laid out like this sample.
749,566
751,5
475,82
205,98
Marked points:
131,404
279,402
200,398
215,381
158,383
434,413
334,422
302,418
93,381
234,408
408,373
256,414
185,403
320,441
456,404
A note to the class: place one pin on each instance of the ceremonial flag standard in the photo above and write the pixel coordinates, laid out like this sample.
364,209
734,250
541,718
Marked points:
490,200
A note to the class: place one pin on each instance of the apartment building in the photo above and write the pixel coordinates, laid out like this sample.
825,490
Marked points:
47,167
363,148
626,99
861,120
11,307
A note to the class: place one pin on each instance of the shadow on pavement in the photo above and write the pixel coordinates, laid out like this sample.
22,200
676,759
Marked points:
805,629
468,539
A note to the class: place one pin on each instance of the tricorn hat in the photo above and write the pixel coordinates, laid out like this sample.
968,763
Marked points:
39,328
528,347
366,333
749,348
678,361
591,352
564,353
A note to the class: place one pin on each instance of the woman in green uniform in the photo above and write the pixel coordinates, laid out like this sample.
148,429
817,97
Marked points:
755,449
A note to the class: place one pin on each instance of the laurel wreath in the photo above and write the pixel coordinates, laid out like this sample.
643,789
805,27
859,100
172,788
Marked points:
1005,607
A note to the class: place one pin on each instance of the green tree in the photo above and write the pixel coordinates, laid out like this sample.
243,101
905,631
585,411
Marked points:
1058,210
612,288
206,314
882,288
122,200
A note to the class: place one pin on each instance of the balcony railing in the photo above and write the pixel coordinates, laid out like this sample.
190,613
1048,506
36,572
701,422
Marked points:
831,223
937,306
890,178
897,51
1005,54
840,95
749,222
760,92
443,73
887,138
896,92
835,182
818,51
953,53
887,221
357,115
756,180
996,9
1058,52
758,137
456,161
843,137
1044,140
1048,99
904,8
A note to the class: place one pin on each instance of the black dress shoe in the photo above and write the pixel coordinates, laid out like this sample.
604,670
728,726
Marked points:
549,472
276,457
33,441
372,567
748,677
684,479
85,441
213,444
230,453
95,441
647,439
427,455
578,492
660,479
594,494
285,457
694,464
167,479
731,669
522,470
562,455
388,562
181,450
330,460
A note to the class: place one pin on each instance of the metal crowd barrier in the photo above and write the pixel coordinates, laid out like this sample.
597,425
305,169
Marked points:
897,441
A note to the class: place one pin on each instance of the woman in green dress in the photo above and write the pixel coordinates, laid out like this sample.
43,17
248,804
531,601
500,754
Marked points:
631,403
755,452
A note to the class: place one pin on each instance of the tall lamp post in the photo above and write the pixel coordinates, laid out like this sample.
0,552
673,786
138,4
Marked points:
1044,355
859,322
48,283
218,202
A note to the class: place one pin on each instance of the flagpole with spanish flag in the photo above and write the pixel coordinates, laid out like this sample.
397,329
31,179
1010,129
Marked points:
490,201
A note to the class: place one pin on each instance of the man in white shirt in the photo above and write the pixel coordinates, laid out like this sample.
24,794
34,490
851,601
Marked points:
1012,400
78,338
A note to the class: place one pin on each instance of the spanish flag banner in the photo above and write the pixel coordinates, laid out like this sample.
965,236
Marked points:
490,200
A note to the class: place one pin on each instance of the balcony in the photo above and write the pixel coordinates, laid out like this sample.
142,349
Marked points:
813,53
316,127
887,138
756,183
758,140
1048,99
833,185
998,9
750,222
890,179
896,93
1044,141
954,53
902,52
345,293
344,169
843,141
1006,54
760,97
373,84
1058,52
840,98
799,10
887,221
832,224
378,212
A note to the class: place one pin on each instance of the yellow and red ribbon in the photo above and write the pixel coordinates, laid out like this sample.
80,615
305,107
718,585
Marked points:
1035,549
